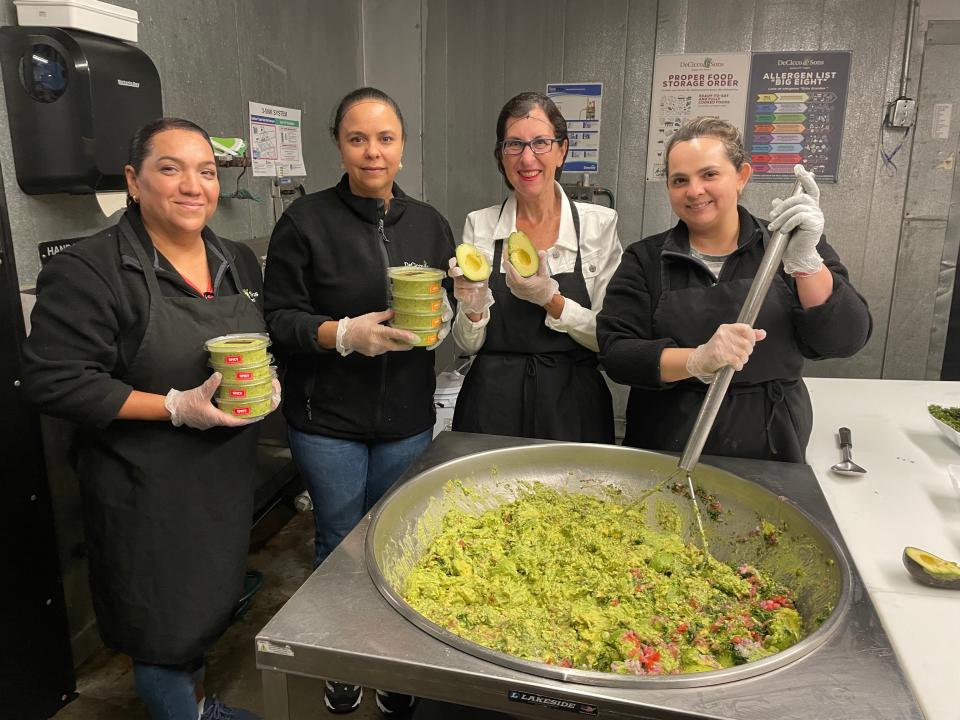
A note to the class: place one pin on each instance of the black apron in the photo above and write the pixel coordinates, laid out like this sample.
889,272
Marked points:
167,510
766,413
530,381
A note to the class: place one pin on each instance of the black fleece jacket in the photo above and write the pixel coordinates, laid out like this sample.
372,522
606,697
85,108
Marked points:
328,259
91,315
630,351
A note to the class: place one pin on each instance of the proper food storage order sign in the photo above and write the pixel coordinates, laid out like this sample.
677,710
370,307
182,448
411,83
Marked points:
795,113
276,148
688,86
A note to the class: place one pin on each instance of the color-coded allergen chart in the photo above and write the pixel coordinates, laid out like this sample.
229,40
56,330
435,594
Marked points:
795,113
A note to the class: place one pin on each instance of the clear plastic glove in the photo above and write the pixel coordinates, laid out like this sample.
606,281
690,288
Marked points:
445,317
472,297
539,288
277,395
730,345
194,409
365,334
800,214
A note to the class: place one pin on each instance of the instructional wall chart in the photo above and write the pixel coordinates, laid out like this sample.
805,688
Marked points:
276,148
795,113
580,103
688,86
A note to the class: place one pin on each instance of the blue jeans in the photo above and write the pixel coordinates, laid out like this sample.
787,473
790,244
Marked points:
345,478
168,691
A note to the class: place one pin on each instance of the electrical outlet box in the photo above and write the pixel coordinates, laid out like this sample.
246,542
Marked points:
902,113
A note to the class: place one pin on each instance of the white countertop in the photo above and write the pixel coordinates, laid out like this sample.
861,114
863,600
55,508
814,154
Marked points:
906,498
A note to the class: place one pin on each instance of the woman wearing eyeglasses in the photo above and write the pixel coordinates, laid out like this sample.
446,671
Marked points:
535,372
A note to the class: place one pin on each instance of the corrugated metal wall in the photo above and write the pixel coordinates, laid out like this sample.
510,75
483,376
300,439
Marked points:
479,54
213,57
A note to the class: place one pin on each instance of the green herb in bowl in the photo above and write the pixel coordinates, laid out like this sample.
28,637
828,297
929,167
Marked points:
948,415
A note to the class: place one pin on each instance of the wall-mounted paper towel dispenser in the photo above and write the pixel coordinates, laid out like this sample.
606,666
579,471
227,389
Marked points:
74,100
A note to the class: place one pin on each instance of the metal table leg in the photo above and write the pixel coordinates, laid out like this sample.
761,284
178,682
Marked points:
276,697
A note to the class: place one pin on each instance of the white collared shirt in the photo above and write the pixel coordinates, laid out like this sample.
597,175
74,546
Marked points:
600,253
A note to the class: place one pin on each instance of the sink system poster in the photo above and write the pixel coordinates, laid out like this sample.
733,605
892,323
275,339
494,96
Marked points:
276,148
691,85
795,113
579,103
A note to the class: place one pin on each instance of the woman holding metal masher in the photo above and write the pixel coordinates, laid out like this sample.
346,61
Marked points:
668,321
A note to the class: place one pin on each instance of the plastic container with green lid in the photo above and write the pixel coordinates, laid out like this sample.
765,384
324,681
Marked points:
244,390
412,280
417,321
246,373
417,303
237,349
426,337
249,407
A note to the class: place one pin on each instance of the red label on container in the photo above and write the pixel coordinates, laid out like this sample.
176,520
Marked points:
434,288
436,305
241,411
244,375
431,339
435,322
233,359
238,392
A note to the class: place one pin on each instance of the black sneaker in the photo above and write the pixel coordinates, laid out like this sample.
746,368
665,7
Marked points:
395,704
341,697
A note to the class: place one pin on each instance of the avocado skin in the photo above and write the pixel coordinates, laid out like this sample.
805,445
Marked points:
946,576
523,255
467,252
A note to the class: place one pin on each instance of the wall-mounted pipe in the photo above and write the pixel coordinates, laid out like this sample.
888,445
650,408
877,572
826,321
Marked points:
905,68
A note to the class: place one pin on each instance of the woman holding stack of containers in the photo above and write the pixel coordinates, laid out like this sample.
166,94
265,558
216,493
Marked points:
166,481
532,322
359,399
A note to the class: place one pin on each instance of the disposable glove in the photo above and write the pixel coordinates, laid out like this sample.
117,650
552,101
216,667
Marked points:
472,297
730,345
802,215
364,334
277,395
194,409
539,288
445,318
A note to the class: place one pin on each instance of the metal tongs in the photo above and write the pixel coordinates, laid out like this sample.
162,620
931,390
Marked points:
748,314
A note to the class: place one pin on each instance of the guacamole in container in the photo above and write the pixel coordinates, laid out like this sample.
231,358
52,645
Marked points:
414,280
244,390
246,373
249,407
425,337
237,349
417,303
416,321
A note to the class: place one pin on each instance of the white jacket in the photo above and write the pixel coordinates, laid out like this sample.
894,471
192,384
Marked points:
600,253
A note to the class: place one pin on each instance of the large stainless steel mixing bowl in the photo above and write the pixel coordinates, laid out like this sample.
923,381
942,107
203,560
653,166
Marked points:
805,557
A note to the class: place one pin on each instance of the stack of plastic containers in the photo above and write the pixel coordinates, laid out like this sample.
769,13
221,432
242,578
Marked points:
417,301
247,386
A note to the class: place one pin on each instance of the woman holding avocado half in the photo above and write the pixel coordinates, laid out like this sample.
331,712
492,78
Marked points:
532,322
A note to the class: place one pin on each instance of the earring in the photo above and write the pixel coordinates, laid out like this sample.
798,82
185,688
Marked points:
400,166
136,199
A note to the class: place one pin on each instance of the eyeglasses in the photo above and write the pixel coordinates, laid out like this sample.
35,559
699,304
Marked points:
539,146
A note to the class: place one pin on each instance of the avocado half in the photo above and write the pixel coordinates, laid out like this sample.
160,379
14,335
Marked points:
523,255
474,263
930,570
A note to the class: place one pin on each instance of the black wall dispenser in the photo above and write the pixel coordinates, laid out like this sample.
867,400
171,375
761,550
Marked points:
74,100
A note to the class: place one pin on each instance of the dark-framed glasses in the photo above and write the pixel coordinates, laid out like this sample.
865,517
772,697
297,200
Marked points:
538,146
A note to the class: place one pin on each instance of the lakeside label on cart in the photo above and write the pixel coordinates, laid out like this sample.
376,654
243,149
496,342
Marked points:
552,702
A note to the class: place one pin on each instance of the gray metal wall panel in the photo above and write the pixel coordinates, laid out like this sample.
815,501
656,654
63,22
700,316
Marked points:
719,25
595,48
212,58
916,285
635,124
391,62
791,25
436,135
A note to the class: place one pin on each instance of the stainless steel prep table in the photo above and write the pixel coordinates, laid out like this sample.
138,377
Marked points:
338,626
